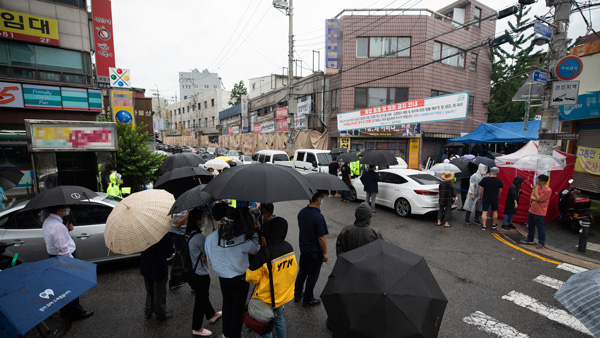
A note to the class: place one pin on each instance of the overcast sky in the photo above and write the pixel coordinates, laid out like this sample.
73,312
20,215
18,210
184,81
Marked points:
242,39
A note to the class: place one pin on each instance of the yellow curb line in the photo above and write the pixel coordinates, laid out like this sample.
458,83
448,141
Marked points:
498,237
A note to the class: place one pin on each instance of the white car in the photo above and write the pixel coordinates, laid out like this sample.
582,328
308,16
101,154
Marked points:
407,191
243,159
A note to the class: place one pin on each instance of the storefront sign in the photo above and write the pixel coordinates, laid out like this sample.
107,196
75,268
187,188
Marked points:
588,106
119,77
267,127
42,97
281,113
27,27
332,46
122,106
588,160
407,130
564,93
304,107
345,142
300,122
235,130
244,125
74,98
159,124
263,118
257,128
413,154
244,99
103,38
439,108
95,100
11,95
71,136
282,125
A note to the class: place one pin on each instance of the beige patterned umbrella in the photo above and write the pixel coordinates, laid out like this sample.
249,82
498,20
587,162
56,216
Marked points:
139,221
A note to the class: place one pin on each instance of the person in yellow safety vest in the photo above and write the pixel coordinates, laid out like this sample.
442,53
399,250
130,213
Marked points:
114,188
100,177
355,168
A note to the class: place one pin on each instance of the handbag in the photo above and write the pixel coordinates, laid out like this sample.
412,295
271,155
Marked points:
260,316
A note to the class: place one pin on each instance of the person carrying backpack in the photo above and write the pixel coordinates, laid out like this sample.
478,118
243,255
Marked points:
200,279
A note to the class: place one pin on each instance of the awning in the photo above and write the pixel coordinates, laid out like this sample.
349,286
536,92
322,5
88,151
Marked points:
501,133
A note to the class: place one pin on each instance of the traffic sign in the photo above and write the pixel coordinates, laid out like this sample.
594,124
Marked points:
119,78
542,29
568,68
564,93
540,77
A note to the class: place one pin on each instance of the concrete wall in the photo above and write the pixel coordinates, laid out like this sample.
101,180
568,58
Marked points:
199,80
261,85
221,98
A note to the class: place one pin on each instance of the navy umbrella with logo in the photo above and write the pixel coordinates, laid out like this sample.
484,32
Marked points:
31,292
61,195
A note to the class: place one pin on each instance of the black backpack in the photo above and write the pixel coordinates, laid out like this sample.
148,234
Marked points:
185,270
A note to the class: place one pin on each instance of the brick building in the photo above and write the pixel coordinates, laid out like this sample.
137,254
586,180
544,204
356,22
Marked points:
375,46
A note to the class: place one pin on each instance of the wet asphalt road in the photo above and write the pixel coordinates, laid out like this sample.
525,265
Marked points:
473,268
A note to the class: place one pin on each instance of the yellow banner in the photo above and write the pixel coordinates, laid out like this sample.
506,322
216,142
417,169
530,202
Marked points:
21,26
345,142
122,106
413,154
588,160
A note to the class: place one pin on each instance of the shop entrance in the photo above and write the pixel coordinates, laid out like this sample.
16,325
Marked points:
77,168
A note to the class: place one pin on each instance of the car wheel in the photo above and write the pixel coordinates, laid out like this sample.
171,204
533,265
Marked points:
402,207
352,197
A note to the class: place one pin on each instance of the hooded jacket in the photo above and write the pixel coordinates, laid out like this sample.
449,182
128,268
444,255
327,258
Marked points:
283,265
358,234
514,193
470,205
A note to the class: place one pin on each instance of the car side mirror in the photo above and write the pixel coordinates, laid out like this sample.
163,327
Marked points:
314,164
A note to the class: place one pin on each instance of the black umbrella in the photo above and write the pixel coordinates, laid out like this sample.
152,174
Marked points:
180,180
348,157
9,176
483,160
261,182
379,157
61,195
179,161
324,181
463,164
338,151
455,145
381,290
190,199
493,155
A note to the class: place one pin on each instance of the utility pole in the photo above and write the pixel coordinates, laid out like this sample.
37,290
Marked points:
556,50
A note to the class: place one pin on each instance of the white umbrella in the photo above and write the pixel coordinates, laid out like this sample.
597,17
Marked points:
139,221
445,168
216,164
539,162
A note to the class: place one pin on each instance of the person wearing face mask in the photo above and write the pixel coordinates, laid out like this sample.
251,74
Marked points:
473,202
59,243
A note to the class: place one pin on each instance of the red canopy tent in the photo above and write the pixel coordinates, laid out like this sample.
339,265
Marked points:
558,181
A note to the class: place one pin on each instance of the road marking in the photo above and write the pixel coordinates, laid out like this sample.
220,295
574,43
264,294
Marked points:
549,281
571,268
498,237
554,314
493,326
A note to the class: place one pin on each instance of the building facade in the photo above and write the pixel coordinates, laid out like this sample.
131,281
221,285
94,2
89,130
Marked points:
263,84
385,59
197,82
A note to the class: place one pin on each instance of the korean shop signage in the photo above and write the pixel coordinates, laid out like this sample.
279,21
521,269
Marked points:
103,38
42,97
11,95
71,135
20,26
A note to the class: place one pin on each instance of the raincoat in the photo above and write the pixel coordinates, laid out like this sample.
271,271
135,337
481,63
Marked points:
514,193
472,205
114,188
358,234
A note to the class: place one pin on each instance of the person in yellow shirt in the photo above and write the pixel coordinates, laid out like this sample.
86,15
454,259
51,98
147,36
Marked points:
279,254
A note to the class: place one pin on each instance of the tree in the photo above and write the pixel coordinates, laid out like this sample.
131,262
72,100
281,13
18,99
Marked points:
510,68
136,162
238,90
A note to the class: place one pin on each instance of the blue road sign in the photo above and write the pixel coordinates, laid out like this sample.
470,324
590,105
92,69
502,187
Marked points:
568,68
540,77
542,29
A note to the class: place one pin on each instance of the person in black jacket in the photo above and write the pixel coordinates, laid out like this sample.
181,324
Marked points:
153,266
358,234
447,197
369,180
512,203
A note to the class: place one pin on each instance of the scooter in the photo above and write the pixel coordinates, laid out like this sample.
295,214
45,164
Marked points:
573,207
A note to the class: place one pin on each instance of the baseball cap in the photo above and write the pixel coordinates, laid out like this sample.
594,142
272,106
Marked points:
495,170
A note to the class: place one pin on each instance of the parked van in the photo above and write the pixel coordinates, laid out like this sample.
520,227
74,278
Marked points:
270,156
310,161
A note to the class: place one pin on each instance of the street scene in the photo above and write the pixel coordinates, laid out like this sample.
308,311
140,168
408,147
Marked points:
303,169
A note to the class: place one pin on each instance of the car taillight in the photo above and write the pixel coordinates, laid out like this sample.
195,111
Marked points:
426,192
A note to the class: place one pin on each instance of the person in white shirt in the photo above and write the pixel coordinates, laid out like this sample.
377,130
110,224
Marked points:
59,243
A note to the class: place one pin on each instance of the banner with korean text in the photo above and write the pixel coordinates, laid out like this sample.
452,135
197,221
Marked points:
588,160
103,38
28,27
439,108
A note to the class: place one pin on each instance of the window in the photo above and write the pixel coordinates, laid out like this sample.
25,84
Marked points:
206,121
199,106
189,124
477,16
470,107
438,93
215,86
188,109
300,156
334,99
212,102
90,214
449,55
213,121
206,86
200,123
378,46
194,123
280,157
205,104
183,124
392,178
473,66
27,219
375,97
310,158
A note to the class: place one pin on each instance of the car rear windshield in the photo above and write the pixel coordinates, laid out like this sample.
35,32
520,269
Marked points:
280,157
324,158
425,179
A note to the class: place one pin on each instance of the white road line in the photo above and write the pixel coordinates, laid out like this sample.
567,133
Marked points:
571,268
491,325
549,281
554,314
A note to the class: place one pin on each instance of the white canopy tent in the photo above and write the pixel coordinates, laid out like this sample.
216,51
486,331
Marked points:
529,149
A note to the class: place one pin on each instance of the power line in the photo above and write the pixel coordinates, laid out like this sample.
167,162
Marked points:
585,20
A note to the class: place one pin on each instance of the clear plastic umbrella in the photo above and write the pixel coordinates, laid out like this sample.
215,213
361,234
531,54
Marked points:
445,168
539,162
216,164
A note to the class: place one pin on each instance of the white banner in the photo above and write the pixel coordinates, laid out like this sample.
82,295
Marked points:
159,124
267,127
304,107
244,99
439,108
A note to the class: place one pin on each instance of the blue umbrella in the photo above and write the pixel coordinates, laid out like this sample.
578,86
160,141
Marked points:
31,292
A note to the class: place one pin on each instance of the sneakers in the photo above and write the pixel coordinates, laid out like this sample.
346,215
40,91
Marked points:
312,302
467,222
526,241
512,226
539,246
477,223
505,227
494,227
483,228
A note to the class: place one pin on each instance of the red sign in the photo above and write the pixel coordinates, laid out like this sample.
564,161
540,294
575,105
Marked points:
257,128
393,107
282,124
103,36
281,113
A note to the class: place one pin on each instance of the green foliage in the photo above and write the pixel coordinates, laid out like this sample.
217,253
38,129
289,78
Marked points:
238,90
510,67
135,160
